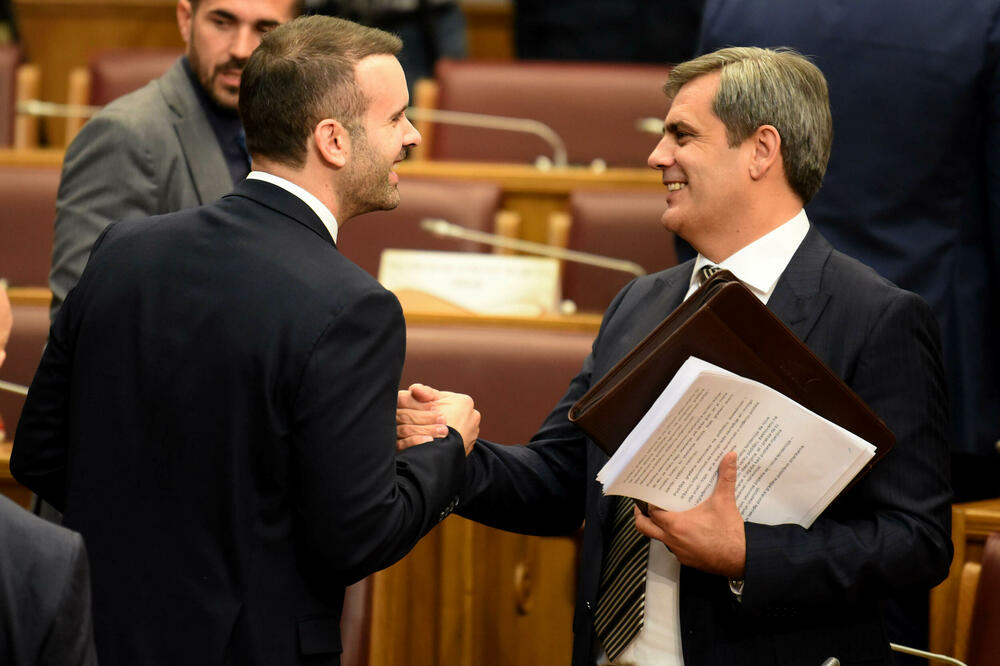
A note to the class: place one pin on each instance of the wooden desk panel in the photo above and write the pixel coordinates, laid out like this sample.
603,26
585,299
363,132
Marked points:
971,523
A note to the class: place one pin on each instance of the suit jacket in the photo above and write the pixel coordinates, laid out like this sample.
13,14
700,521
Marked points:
215,413
150,152
45,615
913,184
809,594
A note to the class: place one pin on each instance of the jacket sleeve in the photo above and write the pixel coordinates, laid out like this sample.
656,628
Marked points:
891,533
362,505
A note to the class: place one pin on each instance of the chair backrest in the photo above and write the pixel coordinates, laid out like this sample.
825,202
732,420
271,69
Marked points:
24,351
984,634
118,72
28,194
515,375
10,59
593,107
111,74
624,224
473,205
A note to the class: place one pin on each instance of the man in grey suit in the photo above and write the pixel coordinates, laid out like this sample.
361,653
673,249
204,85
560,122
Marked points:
45,617
175,143
745,144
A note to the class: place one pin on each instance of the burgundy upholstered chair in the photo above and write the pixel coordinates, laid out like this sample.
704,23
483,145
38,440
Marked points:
28,194
624,224
593,107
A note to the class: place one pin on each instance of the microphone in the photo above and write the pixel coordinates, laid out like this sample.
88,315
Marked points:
507,123
650,125
34,107
440,227
11,387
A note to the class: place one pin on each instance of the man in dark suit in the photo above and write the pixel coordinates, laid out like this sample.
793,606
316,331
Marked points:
215,408
45,617
173,144
745,144
913,186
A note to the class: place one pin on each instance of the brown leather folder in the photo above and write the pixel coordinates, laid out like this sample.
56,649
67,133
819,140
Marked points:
725,324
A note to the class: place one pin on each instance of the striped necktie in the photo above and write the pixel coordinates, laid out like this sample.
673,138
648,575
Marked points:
707,271
622,593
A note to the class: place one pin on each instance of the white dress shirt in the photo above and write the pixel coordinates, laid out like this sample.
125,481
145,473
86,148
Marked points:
758,265
322,212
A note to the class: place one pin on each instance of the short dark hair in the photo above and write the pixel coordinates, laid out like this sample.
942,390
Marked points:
777,87
302,73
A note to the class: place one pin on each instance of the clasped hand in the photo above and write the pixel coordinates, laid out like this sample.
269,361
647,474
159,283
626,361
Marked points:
424,413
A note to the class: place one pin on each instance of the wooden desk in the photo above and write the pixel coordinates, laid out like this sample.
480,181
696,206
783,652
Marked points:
971,523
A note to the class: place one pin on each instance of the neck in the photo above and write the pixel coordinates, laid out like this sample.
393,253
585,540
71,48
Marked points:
756,220
309,179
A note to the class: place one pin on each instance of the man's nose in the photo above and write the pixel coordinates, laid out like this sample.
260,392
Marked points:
662,155
245,40
412,136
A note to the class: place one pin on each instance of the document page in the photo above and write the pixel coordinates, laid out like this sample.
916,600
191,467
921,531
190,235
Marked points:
791,462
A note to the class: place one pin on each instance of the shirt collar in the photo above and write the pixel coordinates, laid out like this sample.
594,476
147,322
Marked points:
317,206
761,263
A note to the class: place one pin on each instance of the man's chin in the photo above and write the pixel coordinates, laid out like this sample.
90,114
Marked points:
226,97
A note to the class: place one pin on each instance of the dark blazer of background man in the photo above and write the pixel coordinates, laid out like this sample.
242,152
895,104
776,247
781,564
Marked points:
170,145
45,617
737,170
215,410
913,187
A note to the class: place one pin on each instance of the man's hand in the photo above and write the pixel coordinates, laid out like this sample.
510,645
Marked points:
418,421
424,413
710,536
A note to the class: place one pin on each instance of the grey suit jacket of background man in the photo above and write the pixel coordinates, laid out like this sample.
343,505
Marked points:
45,617
216,413
150,152
809,594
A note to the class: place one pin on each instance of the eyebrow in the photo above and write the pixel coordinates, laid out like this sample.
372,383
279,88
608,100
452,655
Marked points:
229,16
680,125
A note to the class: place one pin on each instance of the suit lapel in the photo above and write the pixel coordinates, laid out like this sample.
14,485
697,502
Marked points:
663,297
798,299
202,154
283,202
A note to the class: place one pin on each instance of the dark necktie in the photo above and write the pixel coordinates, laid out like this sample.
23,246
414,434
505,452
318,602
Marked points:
622,593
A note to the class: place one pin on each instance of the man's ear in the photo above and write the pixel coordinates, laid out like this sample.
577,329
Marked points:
333,142
766,151
184,17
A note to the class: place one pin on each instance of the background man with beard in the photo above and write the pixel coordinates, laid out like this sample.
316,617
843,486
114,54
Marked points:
175,143
215,409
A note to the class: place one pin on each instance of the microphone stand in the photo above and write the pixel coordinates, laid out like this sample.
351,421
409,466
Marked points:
444,228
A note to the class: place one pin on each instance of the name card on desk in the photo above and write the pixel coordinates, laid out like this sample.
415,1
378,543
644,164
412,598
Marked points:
481,283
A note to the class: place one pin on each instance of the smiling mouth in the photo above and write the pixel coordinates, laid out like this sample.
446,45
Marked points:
673,187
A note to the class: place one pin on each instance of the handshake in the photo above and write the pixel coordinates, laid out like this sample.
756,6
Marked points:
424,413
